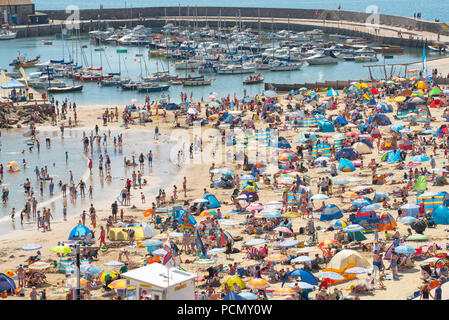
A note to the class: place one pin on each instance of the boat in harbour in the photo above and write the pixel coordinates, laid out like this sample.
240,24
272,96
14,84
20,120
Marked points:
253,79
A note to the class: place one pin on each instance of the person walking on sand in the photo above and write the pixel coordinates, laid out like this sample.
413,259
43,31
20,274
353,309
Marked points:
83,217
102,236
90,166
93,215
150,158
184,187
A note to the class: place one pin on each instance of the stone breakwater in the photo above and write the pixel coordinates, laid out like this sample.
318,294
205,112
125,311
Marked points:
417,33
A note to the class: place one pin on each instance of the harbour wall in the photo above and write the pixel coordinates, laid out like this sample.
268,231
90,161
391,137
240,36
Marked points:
156,17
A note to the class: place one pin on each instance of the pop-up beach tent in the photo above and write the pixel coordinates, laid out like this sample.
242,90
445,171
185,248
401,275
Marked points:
345,165
331,212
441,215
78,232
213,201
420,184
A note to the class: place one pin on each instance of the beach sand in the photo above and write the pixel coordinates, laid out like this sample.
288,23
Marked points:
197,179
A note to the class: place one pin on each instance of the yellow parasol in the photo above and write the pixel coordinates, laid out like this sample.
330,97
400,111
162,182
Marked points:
11,164
276,258
249,263
258,283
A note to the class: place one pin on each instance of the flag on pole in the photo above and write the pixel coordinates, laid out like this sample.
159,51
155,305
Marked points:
200,246
22,72
168,257
424,59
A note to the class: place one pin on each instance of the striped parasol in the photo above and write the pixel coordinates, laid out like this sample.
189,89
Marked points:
284,292
327,243
39,266
258,283
249,263
276,258
72,282
208,213
118,284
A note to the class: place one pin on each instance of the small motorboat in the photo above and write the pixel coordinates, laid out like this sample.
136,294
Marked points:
77,88
253,80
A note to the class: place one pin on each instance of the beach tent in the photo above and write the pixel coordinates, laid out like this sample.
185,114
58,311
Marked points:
405,144
441,215
366,141
342,121
442,130
7,284
367,220
305,136
357,236
379,119
13,84
392,156
326,126
233,296
148,230
420,184
331,212
345,165
433,200
386,222
348,152
361,148
182,213
324,149
283,143
78,232
213,202
345,257
379,197
371,102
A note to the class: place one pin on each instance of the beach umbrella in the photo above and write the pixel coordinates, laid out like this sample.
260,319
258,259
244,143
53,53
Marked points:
419,158
340,182
289,243
61,249
248,295
31,247
301,284
270,94
258,283
319,196
120,284
204,262
421,85
332,93
208,213
11,164
327,243
246,177
404,249
90,269
305,276
72,282
152,242
430,260
114,263
215,251
200,200
212,96
434,92
283,229
268,215
370,208
176,235
291,214
284,292
228,222
407,220
302,259
321,159
249,263
356,270
417,237
307,249
158,252
338,223
112,274
360,203
275,258
330,275
39,265
353,228
349,194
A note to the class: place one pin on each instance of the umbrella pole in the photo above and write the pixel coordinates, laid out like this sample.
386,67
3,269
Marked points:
77,291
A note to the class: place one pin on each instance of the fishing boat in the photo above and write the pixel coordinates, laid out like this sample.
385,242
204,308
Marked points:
253,79
196,81
388,49
365,58
76,88
188,64
47,42
437,48
286,66
20,62
7,34
130,86
236,69
327,57
151,87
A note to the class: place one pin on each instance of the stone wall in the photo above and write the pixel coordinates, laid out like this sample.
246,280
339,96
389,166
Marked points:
123,13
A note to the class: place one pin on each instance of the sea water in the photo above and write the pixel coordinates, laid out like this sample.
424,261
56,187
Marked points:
14,148
132,66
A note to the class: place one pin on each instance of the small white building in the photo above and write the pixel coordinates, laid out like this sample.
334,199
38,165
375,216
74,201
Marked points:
157,282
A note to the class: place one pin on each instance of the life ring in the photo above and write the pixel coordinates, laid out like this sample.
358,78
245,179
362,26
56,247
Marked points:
148,213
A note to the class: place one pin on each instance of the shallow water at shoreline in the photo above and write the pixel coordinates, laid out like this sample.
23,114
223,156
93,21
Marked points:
104,193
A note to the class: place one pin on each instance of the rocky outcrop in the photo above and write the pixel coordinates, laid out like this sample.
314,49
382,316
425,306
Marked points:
19,114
